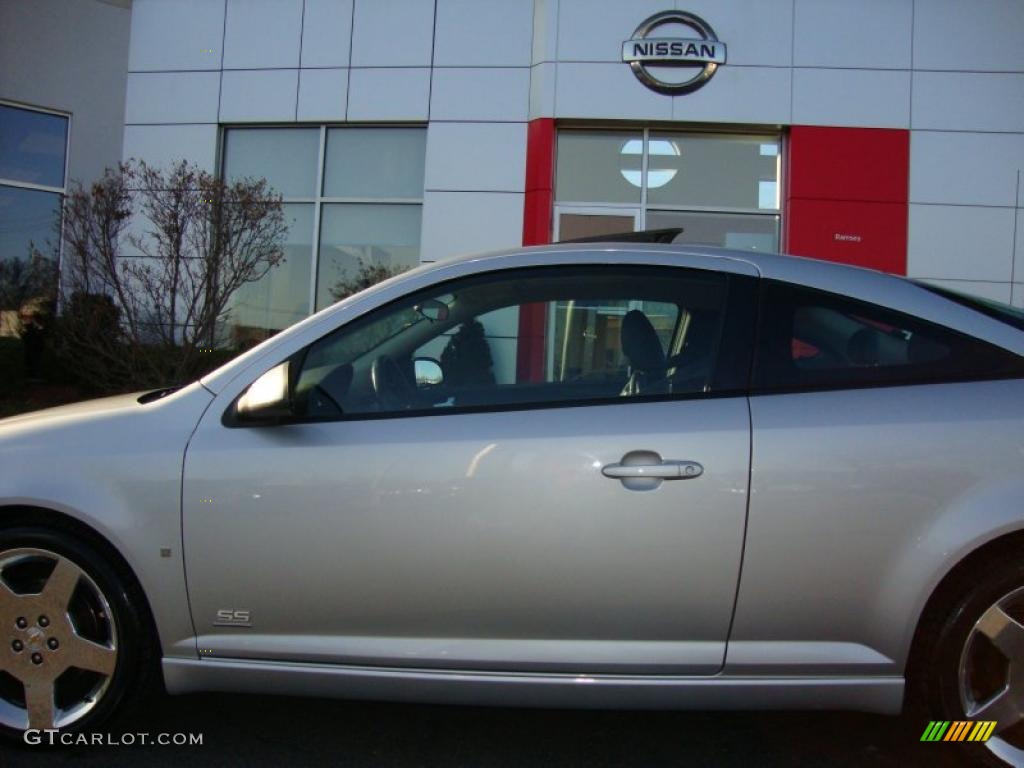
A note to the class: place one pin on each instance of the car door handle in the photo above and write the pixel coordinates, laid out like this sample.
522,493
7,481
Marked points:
663,470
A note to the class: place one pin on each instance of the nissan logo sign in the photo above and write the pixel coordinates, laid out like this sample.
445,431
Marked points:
704,53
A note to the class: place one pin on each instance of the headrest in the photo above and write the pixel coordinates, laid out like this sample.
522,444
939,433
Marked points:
640,342
863,347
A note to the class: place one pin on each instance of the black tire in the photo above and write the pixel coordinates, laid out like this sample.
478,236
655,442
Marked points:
935,692
134,663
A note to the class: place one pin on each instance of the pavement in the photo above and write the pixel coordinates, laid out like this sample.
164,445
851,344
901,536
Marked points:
273,731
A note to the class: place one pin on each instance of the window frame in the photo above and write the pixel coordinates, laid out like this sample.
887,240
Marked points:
758,388
62,190
730,377
318,199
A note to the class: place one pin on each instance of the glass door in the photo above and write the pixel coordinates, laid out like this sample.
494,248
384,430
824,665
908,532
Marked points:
721,188
573,222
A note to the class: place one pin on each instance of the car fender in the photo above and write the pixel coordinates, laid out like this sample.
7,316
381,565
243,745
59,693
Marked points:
979,516
121,477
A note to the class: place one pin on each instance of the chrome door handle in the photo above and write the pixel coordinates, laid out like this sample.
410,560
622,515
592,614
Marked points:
664,470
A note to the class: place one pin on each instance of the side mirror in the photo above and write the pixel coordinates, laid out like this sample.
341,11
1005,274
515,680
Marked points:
268,398
428,372
433,310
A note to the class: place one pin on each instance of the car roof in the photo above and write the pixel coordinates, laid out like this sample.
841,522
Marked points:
867,285
797,269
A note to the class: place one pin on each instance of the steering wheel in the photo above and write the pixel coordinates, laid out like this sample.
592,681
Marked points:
393,390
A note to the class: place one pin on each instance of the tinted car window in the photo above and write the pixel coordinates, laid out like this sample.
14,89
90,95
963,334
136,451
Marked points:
548,335
811,339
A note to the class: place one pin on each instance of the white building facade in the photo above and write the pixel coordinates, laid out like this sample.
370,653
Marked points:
886,133
62,91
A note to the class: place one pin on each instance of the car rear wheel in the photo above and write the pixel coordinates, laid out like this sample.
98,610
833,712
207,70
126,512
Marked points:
974,670
71,639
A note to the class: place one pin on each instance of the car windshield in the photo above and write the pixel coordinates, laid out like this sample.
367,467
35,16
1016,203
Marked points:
996,309
347,347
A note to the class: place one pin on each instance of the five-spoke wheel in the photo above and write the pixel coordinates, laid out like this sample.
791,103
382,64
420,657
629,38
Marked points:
75,637
60,636
992,675
969,657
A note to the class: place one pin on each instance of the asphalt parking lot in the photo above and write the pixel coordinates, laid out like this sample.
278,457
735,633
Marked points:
272,731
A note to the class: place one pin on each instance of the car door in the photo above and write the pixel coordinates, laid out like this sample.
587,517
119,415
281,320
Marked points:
571,497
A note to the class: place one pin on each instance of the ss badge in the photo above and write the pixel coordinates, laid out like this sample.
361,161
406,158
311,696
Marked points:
232,617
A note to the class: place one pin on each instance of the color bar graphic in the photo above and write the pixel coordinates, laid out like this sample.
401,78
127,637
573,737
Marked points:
959,730
935,730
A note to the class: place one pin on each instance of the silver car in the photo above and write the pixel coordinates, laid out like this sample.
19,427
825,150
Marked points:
587,476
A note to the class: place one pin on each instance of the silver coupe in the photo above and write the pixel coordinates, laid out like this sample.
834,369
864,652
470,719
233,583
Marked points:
582,475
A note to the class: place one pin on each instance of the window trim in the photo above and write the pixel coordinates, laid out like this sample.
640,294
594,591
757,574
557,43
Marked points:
736,334
755,390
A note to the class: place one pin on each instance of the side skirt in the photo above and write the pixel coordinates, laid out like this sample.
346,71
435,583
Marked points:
882,695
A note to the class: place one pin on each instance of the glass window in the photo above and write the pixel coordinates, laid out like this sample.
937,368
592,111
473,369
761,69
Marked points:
549,335
598,167
367,167
374,163
32,146
285,157
33,151
713,171
281,297
352,234
816,340
731,230
720,188
28,218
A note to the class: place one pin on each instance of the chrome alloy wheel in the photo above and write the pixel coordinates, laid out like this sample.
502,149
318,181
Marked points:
59,640
992,675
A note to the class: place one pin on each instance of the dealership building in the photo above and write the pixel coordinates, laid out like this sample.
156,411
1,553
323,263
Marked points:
883,133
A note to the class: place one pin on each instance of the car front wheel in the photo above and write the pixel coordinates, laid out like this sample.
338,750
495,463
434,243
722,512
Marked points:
71,639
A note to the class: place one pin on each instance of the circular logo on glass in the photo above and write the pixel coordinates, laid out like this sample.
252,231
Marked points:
658,62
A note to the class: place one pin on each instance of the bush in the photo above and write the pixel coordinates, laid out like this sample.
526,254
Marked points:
87,344
12,364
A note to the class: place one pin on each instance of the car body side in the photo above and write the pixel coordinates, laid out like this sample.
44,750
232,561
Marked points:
807,605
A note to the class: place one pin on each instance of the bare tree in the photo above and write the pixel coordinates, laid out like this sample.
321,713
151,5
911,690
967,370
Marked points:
149,317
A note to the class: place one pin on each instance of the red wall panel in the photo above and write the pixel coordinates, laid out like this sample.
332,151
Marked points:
872,235
846,195
540,181
538,208
870,164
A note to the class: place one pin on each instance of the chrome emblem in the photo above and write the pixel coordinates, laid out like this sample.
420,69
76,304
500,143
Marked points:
228,617
702,54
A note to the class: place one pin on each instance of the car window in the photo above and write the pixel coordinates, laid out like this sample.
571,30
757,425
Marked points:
546,335
812,339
